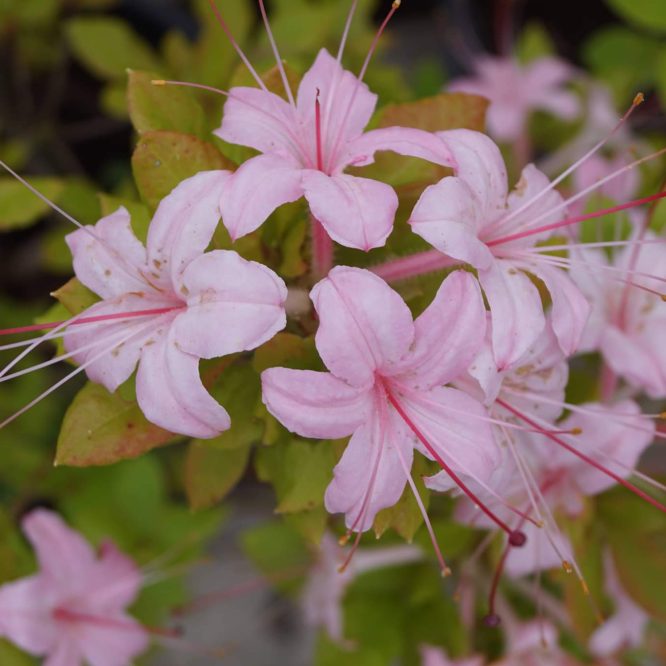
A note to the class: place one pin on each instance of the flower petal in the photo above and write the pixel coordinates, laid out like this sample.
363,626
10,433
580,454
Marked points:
364,325
255,190
370,476
65,653
456,427
61,551
570,309
170,393
346,103
314,404
108,257
515,310
259,120
449,216
184,224
233,305
356,212
112,645
402,140
449,333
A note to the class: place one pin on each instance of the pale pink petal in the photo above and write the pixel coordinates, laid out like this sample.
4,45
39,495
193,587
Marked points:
479,163
255,190
114,582
112,645
630,358
108,257
356,212
570,309
170,392
543,80
456,427
25,613
370,476
449,216
183,226
346,103
314,404
515,309
62,552
233,305
364,326
507,122
66,653
113,368
538,553
402,140
259,120
448,335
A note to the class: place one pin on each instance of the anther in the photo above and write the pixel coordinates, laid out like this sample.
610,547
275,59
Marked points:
517,539
638,99
446,572
566,565
396,5
492,620
576,431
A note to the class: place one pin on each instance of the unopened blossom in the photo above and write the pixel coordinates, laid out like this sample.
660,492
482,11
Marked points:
516,90
328,580
198,305
73,610
305,149
473,218
627,324
623,629
386,383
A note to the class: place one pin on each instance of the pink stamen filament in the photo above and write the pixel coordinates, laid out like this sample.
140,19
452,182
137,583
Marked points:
345,32
67,615
413,265
579,454
86,320
276,53
516,538
574,220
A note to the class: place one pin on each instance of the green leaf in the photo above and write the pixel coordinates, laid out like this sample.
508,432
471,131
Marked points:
298,471
535,42
101,428
661,76
636,533
19,207
12,656
211,473
107,46
162,107
650,14
329,653
75,296
289,351
163,159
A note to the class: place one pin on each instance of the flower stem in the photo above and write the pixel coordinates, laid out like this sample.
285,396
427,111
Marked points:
322,250
413,265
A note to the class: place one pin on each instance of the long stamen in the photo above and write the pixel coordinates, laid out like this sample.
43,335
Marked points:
345,32
276,53
234,43
85,320
579,454
516,537
395,5
413,265
637,101
574,220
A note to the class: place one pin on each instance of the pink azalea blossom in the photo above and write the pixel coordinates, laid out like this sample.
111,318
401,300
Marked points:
386,385
473,218
628,320
329,579
625,628
433,656
74,609
516,90
187,305
305,148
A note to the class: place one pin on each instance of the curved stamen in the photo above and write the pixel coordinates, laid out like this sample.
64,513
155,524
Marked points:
276,53
345,32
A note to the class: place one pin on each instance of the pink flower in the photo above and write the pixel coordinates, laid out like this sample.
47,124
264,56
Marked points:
626,627
328,581
433,656
385,386
73,609
306,146
181,305
628,317
516,90
474,219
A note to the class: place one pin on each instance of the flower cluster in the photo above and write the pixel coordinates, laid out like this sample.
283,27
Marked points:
475,383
